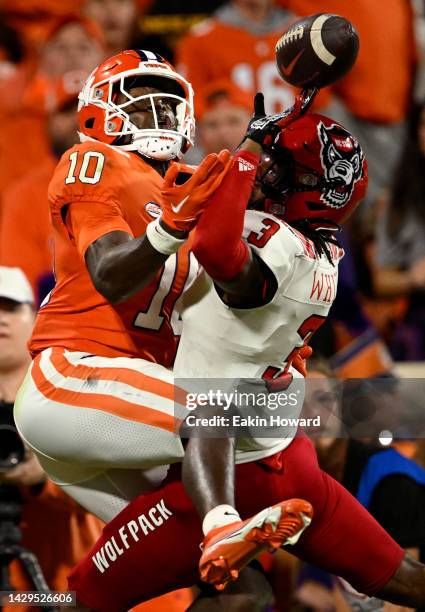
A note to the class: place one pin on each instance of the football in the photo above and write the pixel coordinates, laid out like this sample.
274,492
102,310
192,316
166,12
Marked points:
317,50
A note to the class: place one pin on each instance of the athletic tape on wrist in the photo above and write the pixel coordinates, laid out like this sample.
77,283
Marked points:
161,240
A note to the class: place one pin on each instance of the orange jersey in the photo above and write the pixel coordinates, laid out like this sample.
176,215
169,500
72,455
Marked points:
45,7
108,190
34,18
25,228
215,50
378,87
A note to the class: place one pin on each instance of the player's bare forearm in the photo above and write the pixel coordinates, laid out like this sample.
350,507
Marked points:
407,586
218,243
120,265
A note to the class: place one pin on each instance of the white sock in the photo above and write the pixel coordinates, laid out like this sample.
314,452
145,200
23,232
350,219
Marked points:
218,516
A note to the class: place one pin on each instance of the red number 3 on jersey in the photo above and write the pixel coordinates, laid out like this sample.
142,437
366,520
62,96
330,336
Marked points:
279,379
261,238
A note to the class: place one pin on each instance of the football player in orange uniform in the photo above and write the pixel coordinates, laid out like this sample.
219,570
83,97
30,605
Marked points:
98,405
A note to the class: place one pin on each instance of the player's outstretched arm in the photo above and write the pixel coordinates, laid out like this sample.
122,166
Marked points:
120,265
218,243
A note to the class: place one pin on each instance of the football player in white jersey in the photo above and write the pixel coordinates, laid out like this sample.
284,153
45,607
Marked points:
274,277
272,272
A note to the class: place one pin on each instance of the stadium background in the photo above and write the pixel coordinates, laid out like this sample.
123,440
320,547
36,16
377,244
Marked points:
226,49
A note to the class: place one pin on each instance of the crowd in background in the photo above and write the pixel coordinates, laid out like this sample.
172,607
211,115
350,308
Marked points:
226,50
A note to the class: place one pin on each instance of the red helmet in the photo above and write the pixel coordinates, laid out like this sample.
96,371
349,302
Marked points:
101,118
315,171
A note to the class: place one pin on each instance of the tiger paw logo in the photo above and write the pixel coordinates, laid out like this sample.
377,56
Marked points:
153,209
342,161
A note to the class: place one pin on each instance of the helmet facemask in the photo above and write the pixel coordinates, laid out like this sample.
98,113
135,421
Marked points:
275,175
156,142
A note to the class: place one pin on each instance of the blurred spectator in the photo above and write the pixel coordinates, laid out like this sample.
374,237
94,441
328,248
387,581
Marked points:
223,111
372,101
400,248
33,18
419,32
11,51
74,46
116,19
238,43
223,114
53,526
356,350
317,591
321,399
384,479
25,228
15,68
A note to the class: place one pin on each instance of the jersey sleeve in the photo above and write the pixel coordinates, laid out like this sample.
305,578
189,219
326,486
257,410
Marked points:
85,193
273,242
85,224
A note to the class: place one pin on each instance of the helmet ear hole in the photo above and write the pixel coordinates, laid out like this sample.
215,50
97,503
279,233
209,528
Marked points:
89,123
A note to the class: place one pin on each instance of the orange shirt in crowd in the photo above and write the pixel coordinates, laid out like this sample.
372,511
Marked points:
176,601
107,190
215,50
46,7
33,18
13,85
30,95
23,146
378,87
58,531
26,234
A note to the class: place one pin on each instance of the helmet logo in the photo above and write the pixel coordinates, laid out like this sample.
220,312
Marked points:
342,162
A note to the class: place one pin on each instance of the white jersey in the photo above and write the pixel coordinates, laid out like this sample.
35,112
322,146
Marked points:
223,342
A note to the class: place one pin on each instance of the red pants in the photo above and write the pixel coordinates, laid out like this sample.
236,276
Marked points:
152,546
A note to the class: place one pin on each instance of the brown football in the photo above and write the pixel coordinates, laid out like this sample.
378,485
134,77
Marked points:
317,50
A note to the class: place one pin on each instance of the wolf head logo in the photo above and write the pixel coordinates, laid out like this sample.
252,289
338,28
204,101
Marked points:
342,162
